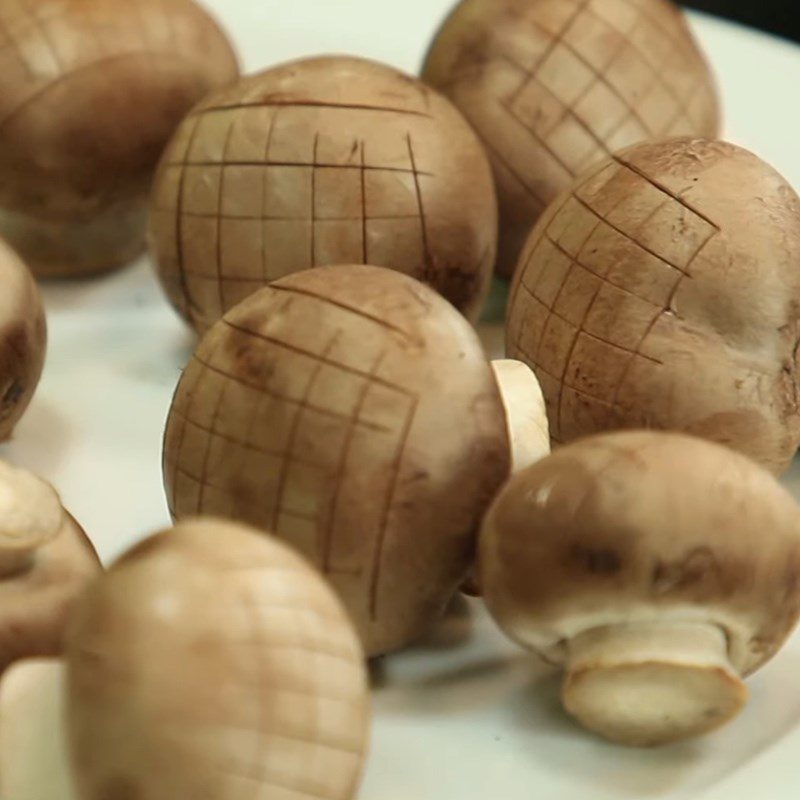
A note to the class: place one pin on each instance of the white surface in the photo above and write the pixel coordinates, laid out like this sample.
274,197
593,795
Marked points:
452,723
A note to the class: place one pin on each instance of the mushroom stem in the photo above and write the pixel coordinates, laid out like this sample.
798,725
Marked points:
34,760
653,682
31,516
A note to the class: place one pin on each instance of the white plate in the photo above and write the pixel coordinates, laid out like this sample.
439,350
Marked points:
466,716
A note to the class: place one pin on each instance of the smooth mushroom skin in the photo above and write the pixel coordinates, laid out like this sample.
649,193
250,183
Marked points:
213,661
90,93
323,161
23,339
553,86
662,291
351,411
658,569
46,560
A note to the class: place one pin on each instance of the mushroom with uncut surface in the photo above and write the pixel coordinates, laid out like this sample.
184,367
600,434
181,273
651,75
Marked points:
352,411
662,291
554,86
657,569
323,161
210,660
90,92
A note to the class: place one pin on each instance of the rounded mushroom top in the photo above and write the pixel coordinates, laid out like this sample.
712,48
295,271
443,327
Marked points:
330,160
640,526
352,411
91,90
211,659
553,86
668,261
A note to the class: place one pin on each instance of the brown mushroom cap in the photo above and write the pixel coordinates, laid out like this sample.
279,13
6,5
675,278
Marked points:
23,339
211,660
90,93
552,87
46,560
352,411
658,568
332,160
662,291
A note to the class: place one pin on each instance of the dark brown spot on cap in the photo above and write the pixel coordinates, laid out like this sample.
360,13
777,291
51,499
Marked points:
596,560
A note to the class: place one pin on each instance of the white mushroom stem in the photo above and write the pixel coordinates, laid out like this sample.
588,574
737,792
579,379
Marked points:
651,683
526,421
34,761
526,416
31,516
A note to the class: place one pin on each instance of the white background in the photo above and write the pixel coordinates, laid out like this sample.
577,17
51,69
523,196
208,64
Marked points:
474,722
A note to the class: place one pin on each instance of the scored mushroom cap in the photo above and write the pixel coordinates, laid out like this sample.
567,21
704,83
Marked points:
351,411
331,160
658,568
552,87
662,291
212,661
46,560
89,95
23,339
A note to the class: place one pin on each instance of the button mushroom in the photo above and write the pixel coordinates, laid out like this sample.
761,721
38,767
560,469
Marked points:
23,339
332,160
45,562
351,411
553,87
662,291
91,90
658,569
210,661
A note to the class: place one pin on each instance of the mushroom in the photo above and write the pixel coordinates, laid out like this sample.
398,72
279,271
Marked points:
662,291
658,569
351,411
553,87
45,562
330,160
90,93
23,339
210,660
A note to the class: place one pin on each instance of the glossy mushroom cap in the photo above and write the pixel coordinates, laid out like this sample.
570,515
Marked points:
657,568
23,339
553,87
211,660
90,92
662,291
45,562
352,411
332,160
